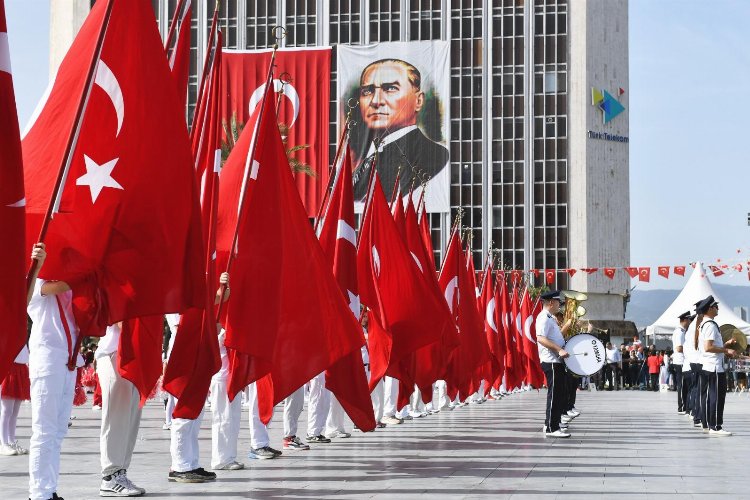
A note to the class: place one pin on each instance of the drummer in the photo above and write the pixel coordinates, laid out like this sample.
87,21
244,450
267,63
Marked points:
551,353
713,365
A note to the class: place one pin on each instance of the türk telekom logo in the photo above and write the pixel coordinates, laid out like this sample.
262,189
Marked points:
609,106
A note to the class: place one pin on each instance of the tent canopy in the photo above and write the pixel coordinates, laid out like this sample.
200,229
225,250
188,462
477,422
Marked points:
697,288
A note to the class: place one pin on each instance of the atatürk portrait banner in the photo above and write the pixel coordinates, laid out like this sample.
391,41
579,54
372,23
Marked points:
401,123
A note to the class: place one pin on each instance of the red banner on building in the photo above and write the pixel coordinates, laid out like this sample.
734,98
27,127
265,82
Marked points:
304,76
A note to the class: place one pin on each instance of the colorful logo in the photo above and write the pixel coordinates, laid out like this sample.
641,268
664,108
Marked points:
609,106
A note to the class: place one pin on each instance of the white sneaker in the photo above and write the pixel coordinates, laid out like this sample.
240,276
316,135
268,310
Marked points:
119,486
338,434
7,450
558,434
572,414
719,433
96,408
565,419
20,449
390,420
234,465
166,426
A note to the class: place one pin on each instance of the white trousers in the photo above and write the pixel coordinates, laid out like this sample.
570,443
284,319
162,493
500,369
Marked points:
184,443
336,417
378,396
121,416
8,417
258,431
416,405
169,408
391,396
225,424
292,410
51,404
318,405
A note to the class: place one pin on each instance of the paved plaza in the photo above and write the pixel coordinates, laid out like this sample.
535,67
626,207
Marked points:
624,445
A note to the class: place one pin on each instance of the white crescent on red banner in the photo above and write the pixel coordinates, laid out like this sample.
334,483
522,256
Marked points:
304,110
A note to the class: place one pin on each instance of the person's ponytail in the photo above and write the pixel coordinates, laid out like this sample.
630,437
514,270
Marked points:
698,321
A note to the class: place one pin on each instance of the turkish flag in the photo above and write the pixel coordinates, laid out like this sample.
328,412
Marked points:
139,353
516,276
644,274
515,363
13,258
549,276
530,349
536,272
431,360
590,270
426,234
609,272
632,271
501,323
570,272
717,272
286,327
195,354
663,271
346,378
179,59
737,267
304,109
393,287
488,310
123,237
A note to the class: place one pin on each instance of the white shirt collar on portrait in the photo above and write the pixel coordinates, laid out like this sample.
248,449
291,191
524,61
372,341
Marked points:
392,137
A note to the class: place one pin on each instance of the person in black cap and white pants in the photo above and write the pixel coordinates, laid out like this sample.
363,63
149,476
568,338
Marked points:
678,359
713,365
551,353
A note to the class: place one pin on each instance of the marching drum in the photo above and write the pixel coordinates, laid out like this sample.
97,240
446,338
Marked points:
586,354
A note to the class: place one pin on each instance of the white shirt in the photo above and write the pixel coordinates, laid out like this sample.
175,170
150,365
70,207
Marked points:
712,361
546,326
678,340
688,348
613,355
173,320
223,373
48,343
109,343
392,137
23,356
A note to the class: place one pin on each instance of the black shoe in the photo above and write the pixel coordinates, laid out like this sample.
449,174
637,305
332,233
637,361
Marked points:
274,451
320,438
206,475
185,477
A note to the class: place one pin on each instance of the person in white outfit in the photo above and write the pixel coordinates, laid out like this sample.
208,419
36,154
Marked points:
173,321
14,390
260,448
52,356
184,432
336,421
318,407
225,418
390,388
121,419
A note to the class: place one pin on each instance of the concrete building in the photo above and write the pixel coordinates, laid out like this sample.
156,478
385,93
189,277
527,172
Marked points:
540,168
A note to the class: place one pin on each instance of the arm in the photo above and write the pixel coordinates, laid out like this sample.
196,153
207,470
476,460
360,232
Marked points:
678,348
710,347
55,287
38,253
552,346
223,284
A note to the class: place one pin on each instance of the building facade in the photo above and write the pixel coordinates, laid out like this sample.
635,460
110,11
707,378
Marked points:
538,172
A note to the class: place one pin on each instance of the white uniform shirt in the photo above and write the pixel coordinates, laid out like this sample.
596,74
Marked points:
678,340
688,348
223,373
173,320
712,361
109,343
48,343
546,326
613,355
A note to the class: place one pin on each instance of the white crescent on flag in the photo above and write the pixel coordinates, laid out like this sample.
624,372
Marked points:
417,261
490,315
376,261
288,90
107,81
450,290
527,329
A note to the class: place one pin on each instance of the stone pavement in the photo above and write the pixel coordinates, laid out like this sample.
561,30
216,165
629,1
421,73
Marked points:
624,445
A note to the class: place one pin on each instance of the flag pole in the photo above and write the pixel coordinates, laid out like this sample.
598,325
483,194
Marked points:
62,174
248,163
173,25
368,198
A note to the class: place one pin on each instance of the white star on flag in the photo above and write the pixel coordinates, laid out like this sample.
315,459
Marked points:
353,303
97,177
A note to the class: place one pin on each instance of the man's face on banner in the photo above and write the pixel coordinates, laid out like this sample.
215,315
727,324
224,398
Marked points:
388,101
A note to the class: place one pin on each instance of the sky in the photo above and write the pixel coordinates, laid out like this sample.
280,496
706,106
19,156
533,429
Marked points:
689,154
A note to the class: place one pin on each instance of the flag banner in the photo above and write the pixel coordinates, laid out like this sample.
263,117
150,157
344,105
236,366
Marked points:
13,251
403,89
123,237
303,109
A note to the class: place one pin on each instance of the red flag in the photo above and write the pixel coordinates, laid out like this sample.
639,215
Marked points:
501,322
432,360
632,271
139,353
609,272
488,305
426,234
517,329
122,236
304,112
663,271
179,59
13,257
590,270
737,267
515,370
195,355
346,378
644,274
549,276
717,272
530,349
536,272
570,272
516,276
274,311
392,286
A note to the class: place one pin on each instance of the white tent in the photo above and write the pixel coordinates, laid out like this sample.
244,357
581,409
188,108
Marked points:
697,288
